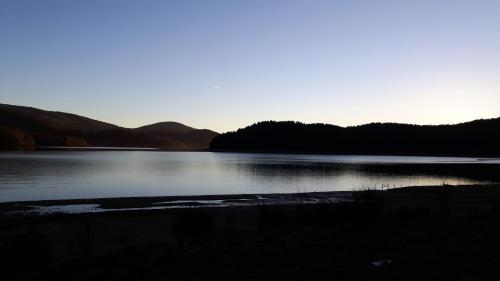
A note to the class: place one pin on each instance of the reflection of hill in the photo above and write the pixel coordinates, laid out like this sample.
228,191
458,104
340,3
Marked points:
328,176
477,172
480,137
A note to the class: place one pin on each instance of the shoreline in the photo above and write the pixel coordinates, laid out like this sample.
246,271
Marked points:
447,232
150,203
26,208
479,156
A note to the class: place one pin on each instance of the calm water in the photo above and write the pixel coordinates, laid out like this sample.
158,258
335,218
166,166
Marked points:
91,174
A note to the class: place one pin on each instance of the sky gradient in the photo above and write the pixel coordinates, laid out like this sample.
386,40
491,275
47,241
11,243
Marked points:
226,64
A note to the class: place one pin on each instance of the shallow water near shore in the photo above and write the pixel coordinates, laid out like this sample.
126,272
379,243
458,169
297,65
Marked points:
49,175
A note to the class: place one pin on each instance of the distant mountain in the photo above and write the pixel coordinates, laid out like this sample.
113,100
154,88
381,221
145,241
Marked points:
196,139
166,127
476,138
30,118
28,128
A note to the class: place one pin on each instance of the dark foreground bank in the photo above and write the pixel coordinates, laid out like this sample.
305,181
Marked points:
434,233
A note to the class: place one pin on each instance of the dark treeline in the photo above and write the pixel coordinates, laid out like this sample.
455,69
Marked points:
476,138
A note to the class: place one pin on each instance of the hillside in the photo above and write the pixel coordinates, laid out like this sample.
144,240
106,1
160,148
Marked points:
165,127
33,119
478,138
27,127
180,133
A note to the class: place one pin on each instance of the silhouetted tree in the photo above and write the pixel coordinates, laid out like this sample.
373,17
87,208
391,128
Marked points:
479,138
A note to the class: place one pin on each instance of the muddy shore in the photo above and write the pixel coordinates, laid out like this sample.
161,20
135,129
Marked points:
425,233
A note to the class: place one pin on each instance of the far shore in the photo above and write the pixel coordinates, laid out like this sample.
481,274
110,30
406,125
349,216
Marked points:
254,151
113,148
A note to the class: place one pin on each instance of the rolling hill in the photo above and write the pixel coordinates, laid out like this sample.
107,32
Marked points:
30,128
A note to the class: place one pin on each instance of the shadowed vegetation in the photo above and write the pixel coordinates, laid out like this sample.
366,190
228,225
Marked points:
476,138
50,128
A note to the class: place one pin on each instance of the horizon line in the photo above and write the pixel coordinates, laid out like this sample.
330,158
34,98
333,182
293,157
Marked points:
256,122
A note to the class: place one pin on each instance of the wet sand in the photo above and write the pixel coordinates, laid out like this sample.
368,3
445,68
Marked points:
424,233
44,207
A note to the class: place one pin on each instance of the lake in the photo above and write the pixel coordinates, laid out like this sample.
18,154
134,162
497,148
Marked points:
41,175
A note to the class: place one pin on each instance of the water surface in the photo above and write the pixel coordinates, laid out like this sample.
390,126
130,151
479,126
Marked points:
42,175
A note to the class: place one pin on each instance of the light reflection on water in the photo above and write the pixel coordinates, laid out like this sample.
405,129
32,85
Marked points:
91,174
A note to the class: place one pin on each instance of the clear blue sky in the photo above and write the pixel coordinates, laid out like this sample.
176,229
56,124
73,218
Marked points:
226,64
